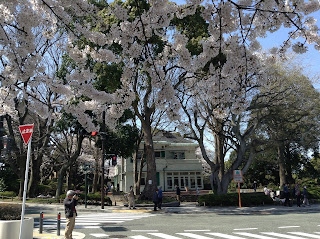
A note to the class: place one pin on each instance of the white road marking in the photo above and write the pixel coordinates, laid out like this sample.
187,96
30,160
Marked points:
165,236
245,229
193,236
99,235
139,237
253,235
288,226
304,234
144,230
225,235
197,230
282,235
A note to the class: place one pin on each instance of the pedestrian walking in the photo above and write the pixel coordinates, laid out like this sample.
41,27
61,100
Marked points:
155,199
298,194
160,196
131,198
305,196
255,186
178,192
70,203
286,195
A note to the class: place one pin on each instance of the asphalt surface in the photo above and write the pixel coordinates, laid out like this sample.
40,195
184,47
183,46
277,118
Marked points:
184,208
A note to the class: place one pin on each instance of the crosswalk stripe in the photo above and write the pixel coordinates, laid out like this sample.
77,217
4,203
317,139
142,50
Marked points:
165,236
304,234
93,221
282,235
194,236
253,235
224,235
99,235
139,237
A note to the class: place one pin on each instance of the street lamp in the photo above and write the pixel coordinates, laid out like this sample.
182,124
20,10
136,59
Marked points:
85,168
103,138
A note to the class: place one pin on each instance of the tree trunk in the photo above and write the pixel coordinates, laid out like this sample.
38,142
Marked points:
34,175
22,170
281,163
151,180
289,178
138,183
219,161
61,175
137,169
97,157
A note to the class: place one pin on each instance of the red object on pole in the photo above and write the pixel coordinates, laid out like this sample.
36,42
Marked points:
26,132
41,215
239,195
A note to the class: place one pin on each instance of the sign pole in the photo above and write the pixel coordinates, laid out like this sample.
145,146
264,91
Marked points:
238,178
239,195
26,133
25,189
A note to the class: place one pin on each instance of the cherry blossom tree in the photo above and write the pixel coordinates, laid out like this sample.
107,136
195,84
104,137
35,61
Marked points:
151,72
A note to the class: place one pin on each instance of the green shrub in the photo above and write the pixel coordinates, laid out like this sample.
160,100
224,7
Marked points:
43,200
44,189
10,211
8,194
92,198
232,199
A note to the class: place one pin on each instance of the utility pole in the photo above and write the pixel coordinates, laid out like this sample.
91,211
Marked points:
1,135
103,139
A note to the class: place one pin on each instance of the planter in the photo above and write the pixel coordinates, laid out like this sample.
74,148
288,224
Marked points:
11,229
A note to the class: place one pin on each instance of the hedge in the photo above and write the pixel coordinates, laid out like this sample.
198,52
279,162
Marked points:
10,211
232,199
92,198
8,194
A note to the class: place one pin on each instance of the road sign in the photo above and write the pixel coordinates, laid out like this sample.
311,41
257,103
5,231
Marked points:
26,132
237,176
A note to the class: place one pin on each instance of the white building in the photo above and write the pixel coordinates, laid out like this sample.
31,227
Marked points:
176,165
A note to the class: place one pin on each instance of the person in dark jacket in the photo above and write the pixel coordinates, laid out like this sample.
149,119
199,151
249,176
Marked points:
155,199
160,196
70,203
178,192
305,196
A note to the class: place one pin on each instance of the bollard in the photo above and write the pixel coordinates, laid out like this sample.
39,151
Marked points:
58,224
41,222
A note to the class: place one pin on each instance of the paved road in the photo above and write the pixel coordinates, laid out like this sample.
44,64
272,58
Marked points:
187,221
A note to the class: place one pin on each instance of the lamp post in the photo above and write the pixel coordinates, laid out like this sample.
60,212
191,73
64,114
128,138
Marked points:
103,138
86,188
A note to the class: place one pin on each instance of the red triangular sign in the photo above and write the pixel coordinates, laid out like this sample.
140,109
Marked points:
26,132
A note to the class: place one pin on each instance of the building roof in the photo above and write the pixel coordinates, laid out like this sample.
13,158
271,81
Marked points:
172,138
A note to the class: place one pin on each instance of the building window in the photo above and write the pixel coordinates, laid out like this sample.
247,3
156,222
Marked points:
169,182
176,181
193,182
143,179
157,154
199,182
184,179
177,155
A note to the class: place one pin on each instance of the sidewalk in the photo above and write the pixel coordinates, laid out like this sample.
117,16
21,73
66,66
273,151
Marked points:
184,208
